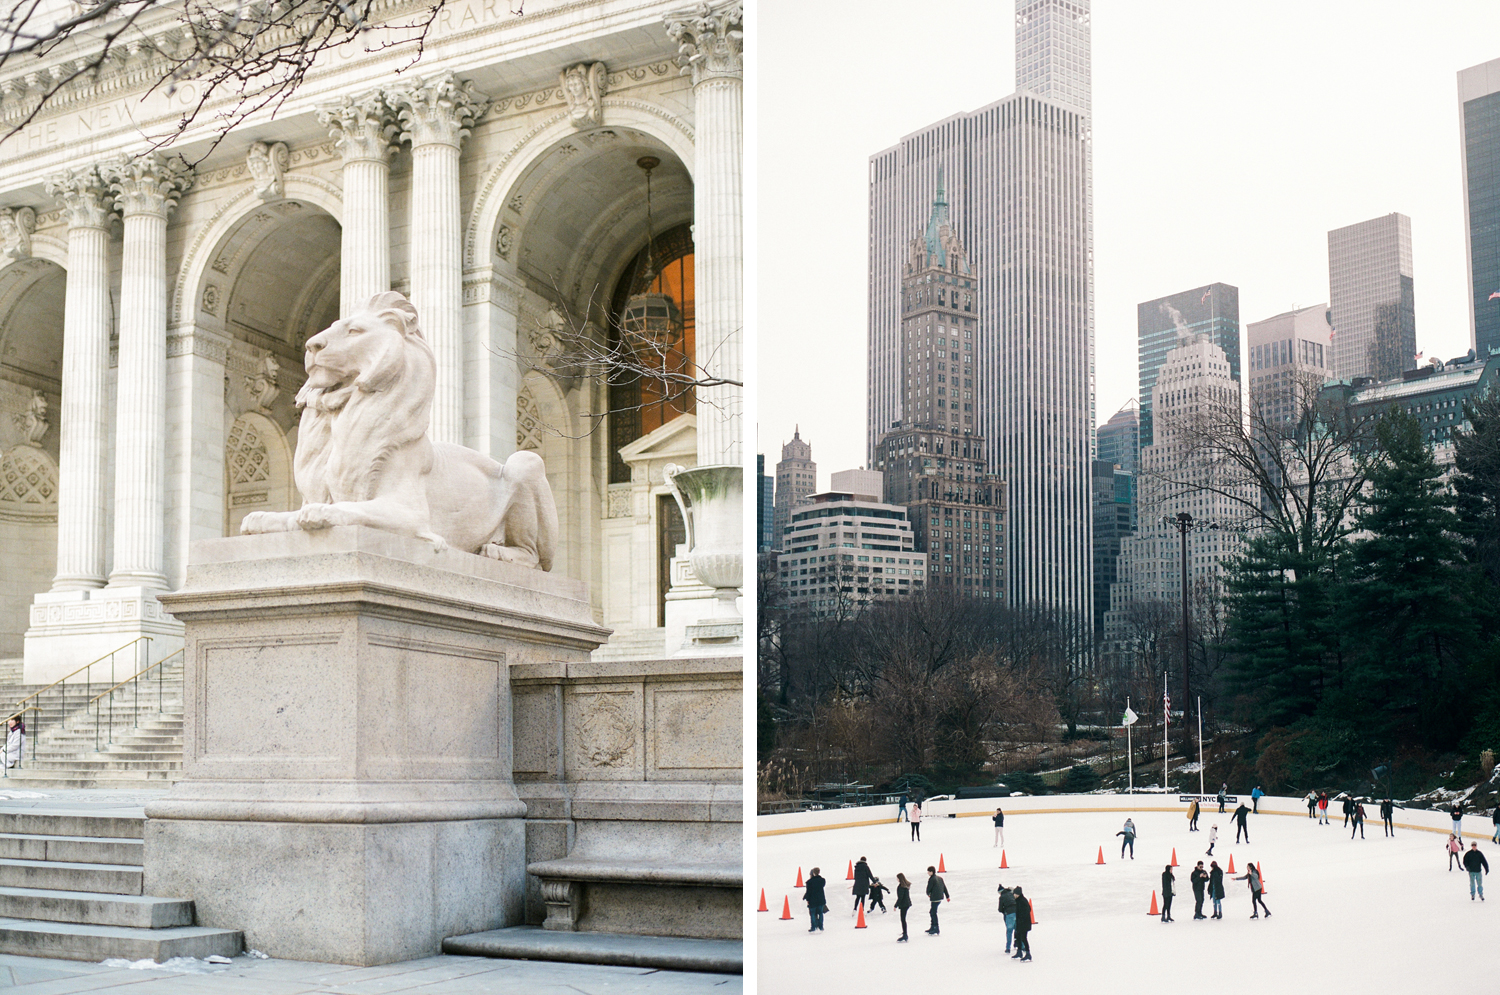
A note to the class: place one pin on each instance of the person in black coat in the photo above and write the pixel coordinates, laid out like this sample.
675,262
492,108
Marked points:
1198,879
1023,926
1474,862
817,901
1166,894
1241,819
877,895
1387,809
1008,910
862,877
903,901
1358,820
937,893
1216,888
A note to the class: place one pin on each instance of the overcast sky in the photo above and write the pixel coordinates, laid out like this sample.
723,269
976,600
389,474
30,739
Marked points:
1228,140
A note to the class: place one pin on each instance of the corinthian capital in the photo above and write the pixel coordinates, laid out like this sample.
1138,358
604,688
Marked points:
84,195
710,39
439,110
148,184
363,127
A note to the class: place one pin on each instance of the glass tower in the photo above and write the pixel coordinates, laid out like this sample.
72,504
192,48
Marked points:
1479,119
1165,323
1370,298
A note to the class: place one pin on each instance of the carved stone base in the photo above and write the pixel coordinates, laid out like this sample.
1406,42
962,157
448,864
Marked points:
70,629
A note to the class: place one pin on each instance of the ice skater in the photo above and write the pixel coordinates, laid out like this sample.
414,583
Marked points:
1166,894
1193,816
1457,814
999,820
1216,888
862,878
1213,839
915,818
937,893
877,895
1242,819
1358,821
1008,910
1348,810
815,898
1255,797
1312,804
1252,877
900,812
1323,808
1473,862
1223,792
1023,926
903,902
1129,833
1495,818
1198,879
1388,808
1454,846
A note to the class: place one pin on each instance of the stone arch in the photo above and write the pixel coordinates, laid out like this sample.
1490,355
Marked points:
257,470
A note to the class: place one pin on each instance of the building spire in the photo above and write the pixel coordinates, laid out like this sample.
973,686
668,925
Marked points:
937,220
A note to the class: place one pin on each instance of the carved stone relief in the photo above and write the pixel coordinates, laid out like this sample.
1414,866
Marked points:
583,86
267,165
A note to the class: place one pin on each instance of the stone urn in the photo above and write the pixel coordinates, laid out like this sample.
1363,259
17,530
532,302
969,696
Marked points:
712,499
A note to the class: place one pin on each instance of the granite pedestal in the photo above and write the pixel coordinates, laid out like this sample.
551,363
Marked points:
347,788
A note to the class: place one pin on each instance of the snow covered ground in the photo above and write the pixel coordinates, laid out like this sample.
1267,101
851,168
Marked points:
1382,910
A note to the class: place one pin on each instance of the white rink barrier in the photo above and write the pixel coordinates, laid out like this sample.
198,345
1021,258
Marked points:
1477,826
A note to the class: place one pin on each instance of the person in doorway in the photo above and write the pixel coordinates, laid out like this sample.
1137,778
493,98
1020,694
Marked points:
877,895
1008,910
1454,846
1166,893
1216,888
1193,816
999,820
1241,818
1474,862
1358,818
937,894
15,740
1023,926
1323,808
901,812
1252,877
1129,833
915,818
1255,797
816,899
1223,794
1312,804
1199,880
903,902
862,878
1213,838
1456,813
1388,809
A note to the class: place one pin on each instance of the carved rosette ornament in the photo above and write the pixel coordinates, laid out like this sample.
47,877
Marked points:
583,86
439,110
710,39
16,226
150,184
267,165
362,127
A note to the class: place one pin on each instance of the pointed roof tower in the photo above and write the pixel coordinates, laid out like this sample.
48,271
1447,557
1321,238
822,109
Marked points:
937,221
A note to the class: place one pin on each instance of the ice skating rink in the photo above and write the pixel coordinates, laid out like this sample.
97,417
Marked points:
1383,911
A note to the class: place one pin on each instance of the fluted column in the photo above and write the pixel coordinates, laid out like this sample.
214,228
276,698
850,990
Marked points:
709,38
85,397
146,189
363,128
436,115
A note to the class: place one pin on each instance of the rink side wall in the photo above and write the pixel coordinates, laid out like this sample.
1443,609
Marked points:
1476,826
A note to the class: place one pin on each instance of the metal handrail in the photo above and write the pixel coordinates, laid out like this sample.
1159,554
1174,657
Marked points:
110,656
4,749
134,678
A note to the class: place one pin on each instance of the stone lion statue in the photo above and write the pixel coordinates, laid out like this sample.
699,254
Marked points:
364,458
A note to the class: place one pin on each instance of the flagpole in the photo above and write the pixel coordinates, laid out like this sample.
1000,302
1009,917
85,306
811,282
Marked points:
1166,722
1129,754
1200,744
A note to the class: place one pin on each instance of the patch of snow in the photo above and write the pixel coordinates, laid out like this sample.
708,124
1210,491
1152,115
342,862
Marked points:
256,954
35,794
175,965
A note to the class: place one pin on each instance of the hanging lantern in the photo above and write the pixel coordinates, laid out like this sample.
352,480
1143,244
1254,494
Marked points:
651,322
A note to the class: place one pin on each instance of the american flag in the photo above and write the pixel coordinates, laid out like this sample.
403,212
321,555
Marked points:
1166,701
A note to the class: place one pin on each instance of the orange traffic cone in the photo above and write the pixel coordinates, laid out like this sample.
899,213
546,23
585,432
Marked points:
1263,888
851,872
799,879
786,908
1003,865
763,902
860,922
1101,856
1154,910
1174,856
1033,912
941,868
1231,863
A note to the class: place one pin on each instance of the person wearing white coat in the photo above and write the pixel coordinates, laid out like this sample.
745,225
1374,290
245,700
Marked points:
15,740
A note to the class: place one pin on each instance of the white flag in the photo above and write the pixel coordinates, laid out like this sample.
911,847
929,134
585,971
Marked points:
1130,718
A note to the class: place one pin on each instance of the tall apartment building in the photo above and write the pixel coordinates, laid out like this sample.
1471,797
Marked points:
934,464
1371,299
1479,129
765,506
844,548
1285,352
1020,175
1167,322
1195,379
796,479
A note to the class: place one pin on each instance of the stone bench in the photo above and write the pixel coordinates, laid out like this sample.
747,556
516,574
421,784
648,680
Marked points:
570,884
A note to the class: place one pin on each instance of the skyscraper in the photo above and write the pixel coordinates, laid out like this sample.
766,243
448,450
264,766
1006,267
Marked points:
1370,296
1020,195
765,506
1286,353
796,479
1120,438
1479,126
1167,322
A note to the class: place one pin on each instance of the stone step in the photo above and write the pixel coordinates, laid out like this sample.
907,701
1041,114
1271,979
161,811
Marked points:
140,911
72,941
114,781
62,875
77,849
102,764
40,822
